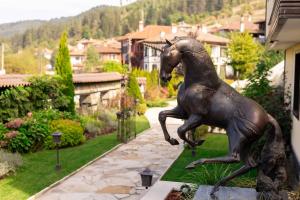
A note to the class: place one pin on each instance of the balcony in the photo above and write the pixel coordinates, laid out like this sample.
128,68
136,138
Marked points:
282,23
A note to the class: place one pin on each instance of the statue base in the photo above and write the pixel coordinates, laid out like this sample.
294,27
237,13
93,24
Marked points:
225,193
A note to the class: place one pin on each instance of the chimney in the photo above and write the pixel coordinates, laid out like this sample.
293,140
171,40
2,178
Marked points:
204,29
174,28
250,18
141,25
242,25
162,35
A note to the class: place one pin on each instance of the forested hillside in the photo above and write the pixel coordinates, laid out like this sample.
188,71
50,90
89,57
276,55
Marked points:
108,21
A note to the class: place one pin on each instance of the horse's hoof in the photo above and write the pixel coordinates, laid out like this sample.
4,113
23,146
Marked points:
174,141
191,166
200,142
213,191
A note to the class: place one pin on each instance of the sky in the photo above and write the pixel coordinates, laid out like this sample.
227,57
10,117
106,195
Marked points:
17,10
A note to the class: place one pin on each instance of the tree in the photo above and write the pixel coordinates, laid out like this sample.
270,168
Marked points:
244,53
92,58
24,62
63,68
133,88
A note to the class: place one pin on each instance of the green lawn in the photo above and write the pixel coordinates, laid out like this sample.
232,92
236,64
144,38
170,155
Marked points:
157,103
38,171
208,174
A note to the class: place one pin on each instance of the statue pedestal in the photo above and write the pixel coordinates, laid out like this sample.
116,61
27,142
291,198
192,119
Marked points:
225,193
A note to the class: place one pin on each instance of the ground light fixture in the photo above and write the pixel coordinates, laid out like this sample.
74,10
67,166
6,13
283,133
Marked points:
146,177
57,139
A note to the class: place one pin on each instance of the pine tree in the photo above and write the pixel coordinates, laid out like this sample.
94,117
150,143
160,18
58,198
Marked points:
133,88
63,68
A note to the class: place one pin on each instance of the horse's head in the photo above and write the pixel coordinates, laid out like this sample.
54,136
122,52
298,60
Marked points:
170,58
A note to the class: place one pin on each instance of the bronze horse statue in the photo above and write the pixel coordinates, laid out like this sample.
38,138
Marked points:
203,98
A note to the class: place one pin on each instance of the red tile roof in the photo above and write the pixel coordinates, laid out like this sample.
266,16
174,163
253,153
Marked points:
158,42
148,32
212,39
235,26
12,80
107,49
169,36
96,77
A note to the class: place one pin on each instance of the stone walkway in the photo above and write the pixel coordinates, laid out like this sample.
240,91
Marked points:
116,175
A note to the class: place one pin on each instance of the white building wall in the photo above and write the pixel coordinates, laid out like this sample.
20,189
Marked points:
77,60
289,85
151,60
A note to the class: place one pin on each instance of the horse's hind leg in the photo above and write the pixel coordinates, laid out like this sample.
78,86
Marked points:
191,123
225,159
244,169
178,113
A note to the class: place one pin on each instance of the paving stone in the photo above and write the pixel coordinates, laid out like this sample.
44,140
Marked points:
116,175
121,196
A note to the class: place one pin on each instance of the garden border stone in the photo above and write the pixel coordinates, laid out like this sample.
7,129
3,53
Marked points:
35,196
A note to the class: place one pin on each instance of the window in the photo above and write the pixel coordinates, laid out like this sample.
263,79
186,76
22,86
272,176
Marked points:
146,51
154,53
146,67
223,52
296,86
154,67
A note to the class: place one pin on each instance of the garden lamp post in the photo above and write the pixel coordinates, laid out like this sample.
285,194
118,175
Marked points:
146,177
57,139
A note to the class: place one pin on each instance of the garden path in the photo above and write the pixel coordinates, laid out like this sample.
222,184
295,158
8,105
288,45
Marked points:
116,175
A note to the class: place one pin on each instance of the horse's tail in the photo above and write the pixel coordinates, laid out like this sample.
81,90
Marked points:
277,129
272,165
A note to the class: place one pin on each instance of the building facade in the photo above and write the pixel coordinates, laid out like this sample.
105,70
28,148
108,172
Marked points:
283,33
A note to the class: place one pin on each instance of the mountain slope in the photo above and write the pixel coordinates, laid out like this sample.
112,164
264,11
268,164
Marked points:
110,21
9,29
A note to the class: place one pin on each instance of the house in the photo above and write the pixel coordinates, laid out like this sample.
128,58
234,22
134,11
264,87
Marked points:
218,54
91,89
218,45
283,33
78,58
132,49
108,50
153,47
108,53
241,26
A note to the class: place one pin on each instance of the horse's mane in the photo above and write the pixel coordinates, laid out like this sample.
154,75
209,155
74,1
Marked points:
191,47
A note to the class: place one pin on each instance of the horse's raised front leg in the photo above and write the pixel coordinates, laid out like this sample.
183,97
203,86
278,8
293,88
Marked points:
178,113
191,123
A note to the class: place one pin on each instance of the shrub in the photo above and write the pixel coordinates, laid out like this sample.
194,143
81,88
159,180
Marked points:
36,130
15,123
200,132
141,108
171,90
108,117
153,94
3,130
133,88
19,142
44,92
9,162
92,127
112,66
259,89
72,133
